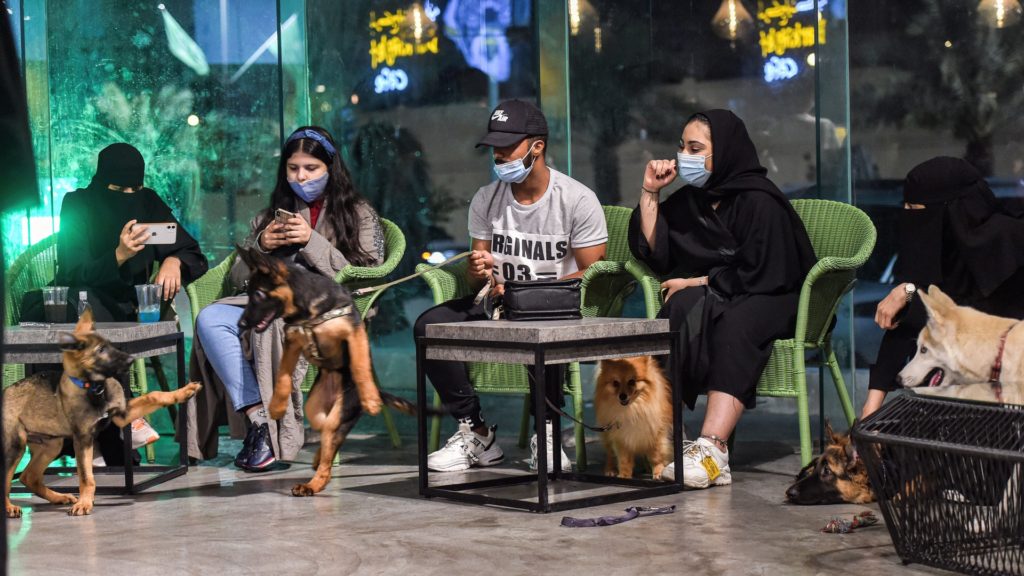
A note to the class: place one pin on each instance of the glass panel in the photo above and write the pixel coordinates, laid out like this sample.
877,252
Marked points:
928,78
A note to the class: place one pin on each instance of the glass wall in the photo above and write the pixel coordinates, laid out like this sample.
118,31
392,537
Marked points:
207,90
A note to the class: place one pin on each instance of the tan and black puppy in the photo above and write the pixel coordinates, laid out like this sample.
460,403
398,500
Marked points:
42,410
322,324
835,477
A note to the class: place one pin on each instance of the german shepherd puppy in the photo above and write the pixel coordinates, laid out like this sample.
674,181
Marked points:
322,324
835,477
633,396
42,410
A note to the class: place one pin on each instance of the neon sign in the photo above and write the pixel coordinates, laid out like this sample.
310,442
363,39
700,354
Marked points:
402,34
776,69
478,27
389,80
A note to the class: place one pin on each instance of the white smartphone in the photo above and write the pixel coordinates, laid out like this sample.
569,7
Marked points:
160,232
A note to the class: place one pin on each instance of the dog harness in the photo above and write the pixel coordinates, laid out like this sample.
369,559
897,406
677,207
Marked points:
312,350
995,375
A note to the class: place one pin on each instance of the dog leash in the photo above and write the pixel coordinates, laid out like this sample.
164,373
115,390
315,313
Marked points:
631,513
560,412
995,375
371,289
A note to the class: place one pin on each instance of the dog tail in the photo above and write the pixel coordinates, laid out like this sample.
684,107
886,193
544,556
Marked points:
406,407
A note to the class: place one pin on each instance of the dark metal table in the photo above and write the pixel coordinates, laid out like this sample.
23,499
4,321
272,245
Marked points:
540,344
37,344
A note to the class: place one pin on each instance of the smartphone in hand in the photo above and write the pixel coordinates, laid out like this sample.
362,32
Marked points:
160,232
281,215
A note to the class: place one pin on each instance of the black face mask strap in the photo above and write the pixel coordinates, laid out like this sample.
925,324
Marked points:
631,513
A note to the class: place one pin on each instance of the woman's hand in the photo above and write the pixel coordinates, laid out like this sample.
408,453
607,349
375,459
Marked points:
297,231
169,276
890,306
273,237
130,241
481,263
658,174
670,287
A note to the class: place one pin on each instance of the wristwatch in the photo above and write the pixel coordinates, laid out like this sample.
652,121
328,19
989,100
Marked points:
910,289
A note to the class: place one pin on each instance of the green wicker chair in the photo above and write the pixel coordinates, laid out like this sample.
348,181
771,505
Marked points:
35,268
843,238
606,285
216,284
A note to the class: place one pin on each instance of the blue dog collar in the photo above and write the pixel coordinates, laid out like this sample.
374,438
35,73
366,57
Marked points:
79,383
314,135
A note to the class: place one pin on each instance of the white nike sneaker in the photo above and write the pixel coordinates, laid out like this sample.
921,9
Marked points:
466,449
703,465
566,463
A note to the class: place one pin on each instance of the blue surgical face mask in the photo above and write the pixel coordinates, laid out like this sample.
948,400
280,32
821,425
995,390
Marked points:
515,172
690,169
309,190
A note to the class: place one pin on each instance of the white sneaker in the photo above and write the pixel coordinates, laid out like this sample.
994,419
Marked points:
465,449
703,465
97,459
566,464
142,434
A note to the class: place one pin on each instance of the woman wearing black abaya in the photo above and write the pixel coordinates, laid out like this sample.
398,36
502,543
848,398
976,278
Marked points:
956,234
738,254
99,252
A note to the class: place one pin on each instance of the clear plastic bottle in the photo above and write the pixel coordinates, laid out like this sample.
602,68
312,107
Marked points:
83,302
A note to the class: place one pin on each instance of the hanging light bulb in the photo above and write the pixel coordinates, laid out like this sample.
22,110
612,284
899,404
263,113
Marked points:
732,21
574,17
999,13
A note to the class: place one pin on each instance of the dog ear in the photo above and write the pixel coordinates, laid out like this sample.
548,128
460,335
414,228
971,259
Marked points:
68,342
939,308
830,433
85,323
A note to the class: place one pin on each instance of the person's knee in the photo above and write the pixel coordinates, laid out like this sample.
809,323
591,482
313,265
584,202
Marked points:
213,319
431,316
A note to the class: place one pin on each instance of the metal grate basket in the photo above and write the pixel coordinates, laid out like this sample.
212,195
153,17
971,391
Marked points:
949,476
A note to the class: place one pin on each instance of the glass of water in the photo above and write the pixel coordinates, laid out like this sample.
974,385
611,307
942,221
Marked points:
149,301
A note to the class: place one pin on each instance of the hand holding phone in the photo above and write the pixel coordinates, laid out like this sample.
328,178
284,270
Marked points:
160,232
281,216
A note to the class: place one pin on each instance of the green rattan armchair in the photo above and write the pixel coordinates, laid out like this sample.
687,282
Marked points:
216,284
843,238
606,285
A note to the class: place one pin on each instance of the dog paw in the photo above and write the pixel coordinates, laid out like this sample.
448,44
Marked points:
81,508
64,499
190,390
373,406
13,511
276,409
301,490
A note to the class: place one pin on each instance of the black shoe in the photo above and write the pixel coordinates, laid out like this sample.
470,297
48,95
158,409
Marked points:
261,456
247,444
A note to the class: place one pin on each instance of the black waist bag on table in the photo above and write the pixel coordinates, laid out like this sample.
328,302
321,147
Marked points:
542,299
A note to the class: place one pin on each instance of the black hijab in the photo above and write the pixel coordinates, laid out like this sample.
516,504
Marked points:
121,165
964,236
736,169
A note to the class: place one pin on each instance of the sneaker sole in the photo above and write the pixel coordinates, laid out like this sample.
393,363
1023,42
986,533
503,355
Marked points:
259,467
484,461
723,479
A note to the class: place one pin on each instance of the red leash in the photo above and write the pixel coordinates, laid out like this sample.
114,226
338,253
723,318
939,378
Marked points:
997,367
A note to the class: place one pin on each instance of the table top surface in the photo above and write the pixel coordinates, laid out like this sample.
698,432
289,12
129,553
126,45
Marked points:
43,333
548,331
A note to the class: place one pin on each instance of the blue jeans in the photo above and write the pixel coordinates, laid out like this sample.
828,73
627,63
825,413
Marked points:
217,327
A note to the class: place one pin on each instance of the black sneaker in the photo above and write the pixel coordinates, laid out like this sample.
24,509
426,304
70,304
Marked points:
261,455
243,454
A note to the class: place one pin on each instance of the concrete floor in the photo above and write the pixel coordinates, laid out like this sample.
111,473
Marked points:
369,520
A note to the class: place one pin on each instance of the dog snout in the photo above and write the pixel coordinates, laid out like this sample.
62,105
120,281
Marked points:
623,399
792,494
243,323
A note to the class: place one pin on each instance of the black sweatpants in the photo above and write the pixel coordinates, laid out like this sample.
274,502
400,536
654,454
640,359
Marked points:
451,379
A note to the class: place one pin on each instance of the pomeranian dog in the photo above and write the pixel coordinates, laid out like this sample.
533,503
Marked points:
633,398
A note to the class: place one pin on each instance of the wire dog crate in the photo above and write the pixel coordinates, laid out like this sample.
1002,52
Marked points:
949,476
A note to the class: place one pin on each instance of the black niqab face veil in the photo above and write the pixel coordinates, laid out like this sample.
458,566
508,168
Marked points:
962,236
121,165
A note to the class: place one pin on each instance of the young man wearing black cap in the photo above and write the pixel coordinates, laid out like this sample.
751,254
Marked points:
532,223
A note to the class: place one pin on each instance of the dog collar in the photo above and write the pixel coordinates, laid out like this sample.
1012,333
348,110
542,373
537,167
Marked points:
94,388
306,327
329,315
994,377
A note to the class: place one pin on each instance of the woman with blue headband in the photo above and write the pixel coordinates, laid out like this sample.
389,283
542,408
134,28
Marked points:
318,220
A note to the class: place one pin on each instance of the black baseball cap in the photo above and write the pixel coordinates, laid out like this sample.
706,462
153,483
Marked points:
512,121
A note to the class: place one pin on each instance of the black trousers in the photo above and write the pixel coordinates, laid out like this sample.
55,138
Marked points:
451,379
